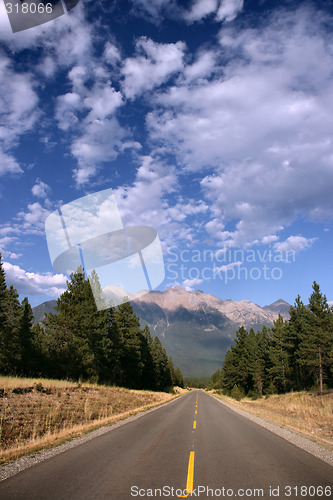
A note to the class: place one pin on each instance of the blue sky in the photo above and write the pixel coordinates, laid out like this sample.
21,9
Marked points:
211,120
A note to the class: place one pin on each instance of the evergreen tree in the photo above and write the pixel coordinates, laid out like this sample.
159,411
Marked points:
179,381
161,365
296,329
25,334
315,349
3,297
10,354
280,369
130,342
77,337
260,362
148,375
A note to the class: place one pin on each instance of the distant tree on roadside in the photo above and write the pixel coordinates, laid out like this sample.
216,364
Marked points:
315,348
294,354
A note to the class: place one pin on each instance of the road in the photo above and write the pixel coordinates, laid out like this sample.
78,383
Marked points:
193,441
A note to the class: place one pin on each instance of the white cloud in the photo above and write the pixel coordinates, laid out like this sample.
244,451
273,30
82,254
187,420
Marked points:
201,68
260,124
30,283
201,9
111,54
18,114
96,137
189,284
40,189
8,164
157,10
225,267
229,9
294,244
102,101
10,255
154,64
146,202
33,220
101,141
269,239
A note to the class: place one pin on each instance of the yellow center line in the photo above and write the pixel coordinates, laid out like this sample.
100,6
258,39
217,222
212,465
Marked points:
196,411
190,473
194,424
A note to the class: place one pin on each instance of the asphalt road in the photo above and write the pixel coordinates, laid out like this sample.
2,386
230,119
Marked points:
193,442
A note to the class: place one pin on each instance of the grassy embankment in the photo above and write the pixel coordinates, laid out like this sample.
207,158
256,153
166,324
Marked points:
307,412
40,413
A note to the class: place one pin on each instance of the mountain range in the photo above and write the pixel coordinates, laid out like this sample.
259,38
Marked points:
196,328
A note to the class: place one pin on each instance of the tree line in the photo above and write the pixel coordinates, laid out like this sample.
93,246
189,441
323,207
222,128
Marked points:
294,354
78,342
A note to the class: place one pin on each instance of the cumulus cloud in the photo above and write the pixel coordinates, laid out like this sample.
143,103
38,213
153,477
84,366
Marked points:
146,201
229,9
201,9
190,284
154,64
28,283
8,164
101,141
88,113
260,127
18,113
34,218
294,244
40,189
157,10
226,267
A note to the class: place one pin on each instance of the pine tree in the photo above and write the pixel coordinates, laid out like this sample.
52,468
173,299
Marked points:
3,297
315,349
77,337
148,374
261,363
236,368
161,365
179,381
295,331
25,335
280,369
128,326
10,354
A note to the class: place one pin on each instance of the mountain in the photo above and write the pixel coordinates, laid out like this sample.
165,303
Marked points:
279,307
195,328
40,311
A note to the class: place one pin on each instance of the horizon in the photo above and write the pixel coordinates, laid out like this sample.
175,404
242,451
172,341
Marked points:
208,119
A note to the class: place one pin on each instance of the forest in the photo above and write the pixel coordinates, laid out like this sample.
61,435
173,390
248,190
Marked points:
294,354
80,343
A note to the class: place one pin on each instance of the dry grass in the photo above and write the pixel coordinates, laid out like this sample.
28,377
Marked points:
39,413
307,412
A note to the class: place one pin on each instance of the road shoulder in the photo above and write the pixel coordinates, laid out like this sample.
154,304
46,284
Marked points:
300,440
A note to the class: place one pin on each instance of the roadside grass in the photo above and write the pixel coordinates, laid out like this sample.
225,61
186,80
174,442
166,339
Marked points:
310,413
40,413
